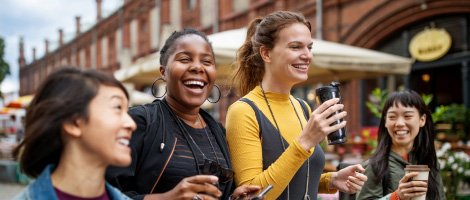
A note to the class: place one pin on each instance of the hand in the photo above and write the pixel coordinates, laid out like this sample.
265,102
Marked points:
189,187
407,188
318,126
348,180
245,192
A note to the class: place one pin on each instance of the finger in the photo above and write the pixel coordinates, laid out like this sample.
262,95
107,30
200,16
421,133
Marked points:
336,117
251,188
408,176
198,179
331,129
356,181
325,105
359,168
361,177
206,197
353,186
329,113
207,188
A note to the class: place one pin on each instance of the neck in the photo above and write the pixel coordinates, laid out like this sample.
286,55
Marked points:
185,113
269,85
402,150
78,174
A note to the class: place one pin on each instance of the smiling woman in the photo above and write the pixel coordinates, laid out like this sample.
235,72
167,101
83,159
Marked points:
76,125
178,150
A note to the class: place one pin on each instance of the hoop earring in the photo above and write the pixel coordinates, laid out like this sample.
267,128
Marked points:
153,88
220,94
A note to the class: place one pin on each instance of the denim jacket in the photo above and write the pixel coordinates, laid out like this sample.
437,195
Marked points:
42,188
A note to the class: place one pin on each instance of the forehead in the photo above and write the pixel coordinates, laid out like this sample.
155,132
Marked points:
108,92
399,107
192,42
295,32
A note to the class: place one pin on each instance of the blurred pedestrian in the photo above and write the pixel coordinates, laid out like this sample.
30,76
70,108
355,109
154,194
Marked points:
76,125
273,137
406,137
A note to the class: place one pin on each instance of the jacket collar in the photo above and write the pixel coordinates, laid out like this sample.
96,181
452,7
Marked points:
42,188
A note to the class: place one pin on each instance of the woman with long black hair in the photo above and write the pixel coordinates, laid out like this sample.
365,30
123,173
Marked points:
406,137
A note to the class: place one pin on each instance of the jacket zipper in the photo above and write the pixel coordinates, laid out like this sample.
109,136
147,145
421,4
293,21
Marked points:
164,167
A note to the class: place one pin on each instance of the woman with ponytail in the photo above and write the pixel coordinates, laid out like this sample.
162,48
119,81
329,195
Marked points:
273,137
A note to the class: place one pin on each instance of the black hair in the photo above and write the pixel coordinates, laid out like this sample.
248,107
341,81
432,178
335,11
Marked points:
64,96
423,151
169,46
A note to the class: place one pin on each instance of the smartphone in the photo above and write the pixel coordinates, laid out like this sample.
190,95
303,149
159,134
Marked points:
262,193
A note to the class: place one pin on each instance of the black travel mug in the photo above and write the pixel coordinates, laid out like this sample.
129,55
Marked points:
324,94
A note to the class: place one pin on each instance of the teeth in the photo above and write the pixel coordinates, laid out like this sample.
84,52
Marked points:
401,132
301,66
123,141
199,83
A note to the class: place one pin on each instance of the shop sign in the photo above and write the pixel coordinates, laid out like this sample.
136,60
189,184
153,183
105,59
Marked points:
430,44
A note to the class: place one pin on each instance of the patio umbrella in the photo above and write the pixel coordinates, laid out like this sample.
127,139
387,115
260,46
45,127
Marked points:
22,102
331,61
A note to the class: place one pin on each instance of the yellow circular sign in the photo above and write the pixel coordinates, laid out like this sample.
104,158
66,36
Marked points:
430,44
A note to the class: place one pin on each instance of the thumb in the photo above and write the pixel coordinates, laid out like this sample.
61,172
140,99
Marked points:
359,167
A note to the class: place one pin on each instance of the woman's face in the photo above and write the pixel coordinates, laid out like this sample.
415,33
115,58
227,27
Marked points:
291,56
190,71
403,124
108,130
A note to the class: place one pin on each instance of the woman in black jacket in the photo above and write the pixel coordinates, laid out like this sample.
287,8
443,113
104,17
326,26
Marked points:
176,141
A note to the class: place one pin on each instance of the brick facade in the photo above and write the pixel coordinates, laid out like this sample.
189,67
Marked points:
363,23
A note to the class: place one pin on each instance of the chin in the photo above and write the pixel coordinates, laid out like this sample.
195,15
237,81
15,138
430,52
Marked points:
122,162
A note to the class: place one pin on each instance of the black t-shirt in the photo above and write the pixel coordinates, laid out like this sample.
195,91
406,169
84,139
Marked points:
182,164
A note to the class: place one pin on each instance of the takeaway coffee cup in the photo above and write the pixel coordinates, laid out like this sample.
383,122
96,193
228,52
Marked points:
423,176
324,94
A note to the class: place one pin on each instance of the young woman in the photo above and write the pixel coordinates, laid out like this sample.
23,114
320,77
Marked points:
270,138
76,125
406,137
176,140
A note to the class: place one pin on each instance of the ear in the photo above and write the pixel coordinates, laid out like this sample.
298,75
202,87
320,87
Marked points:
422,120
265,54
163,73
72,127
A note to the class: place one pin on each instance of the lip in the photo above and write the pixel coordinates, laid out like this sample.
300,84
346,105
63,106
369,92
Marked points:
295,66
123,141
195,90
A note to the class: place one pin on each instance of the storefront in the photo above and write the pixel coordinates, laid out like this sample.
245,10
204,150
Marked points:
444,73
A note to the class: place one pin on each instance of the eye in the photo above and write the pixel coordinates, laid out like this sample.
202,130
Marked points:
309,48
207,62
295,47
184,59
119,107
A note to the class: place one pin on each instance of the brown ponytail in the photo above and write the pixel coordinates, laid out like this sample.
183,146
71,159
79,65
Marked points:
249,66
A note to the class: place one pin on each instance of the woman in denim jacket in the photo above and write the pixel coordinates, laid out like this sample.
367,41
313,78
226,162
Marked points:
76,125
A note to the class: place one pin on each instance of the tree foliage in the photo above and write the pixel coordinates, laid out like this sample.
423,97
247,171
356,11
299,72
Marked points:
4,67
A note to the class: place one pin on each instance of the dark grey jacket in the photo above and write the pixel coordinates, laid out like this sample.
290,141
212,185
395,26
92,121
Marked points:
396,165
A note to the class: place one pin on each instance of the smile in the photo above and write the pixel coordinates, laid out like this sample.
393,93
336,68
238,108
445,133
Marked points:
300,66
401,132
123,141
194,84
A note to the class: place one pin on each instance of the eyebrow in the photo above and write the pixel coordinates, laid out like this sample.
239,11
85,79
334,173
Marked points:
409,111
189,53
311,43
117,96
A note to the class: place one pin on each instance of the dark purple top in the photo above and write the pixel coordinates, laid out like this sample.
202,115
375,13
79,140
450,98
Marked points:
62,196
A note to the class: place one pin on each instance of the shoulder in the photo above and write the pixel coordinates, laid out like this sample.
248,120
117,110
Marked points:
240,107
114,193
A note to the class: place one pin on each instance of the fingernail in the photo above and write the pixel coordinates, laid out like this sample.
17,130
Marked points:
214,179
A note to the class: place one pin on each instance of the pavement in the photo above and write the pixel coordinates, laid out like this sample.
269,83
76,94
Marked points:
10,190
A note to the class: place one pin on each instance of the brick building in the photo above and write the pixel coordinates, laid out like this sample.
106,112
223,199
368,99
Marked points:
138,29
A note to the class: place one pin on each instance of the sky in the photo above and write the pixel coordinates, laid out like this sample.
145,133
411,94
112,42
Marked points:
37,20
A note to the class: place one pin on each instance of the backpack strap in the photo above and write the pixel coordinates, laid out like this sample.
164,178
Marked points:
147,119
304,108
257,113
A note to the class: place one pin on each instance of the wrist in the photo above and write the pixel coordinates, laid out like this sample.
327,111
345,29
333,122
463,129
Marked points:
331,185
303,142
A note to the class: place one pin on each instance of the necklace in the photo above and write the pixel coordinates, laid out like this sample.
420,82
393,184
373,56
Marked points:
207,135
306,196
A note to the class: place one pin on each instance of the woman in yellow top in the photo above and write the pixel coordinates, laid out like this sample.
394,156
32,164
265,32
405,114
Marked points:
271,139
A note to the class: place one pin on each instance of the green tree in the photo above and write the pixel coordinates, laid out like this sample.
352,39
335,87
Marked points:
4,67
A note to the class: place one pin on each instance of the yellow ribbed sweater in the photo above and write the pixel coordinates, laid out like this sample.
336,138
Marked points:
245,145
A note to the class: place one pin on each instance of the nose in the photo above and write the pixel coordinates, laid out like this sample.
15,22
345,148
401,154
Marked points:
129,123
400,122
196,67
306,54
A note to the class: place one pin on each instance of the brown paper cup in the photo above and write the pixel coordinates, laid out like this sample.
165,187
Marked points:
423,176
